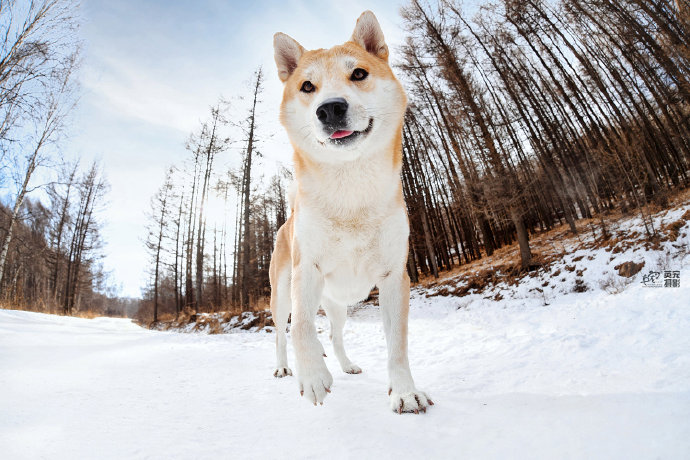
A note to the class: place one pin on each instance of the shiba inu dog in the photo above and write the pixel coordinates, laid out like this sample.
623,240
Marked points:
343,110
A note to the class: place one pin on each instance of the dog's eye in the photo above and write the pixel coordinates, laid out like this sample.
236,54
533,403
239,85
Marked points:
307,87
359,74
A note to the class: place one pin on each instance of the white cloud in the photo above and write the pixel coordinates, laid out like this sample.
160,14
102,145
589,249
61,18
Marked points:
127,89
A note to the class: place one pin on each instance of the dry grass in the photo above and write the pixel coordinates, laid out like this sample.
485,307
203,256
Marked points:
468,281
672,230
86,314
614,284
216,322
50,309
502,266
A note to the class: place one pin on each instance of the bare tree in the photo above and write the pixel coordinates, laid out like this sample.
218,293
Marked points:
37,58
85,239
246,187
61,210
160,204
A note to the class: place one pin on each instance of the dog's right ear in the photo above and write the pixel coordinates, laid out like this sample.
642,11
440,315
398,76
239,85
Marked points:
287,53
368,35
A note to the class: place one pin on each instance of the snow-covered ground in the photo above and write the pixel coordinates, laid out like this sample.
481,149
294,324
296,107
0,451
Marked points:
586,378
603,373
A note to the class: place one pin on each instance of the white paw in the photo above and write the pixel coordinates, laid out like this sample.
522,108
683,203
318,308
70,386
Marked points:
315,383
413,401
281,372
352,369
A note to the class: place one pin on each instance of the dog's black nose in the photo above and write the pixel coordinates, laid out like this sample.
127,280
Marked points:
332,111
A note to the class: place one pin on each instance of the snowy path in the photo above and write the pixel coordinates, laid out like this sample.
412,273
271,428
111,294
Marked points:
588,377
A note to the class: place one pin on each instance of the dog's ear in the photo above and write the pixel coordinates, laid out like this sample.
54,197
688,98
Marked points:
368,35
287,53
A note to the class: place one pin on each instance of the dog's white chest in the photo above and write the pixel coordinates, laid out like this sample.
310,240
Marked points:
351,266
352,223
353,251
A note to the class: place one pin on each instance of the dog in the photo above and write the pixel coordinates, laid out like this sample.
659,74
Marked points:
343,110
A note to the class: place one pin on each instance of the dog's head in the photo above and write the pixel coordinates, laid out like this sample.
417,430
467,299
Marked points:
340,103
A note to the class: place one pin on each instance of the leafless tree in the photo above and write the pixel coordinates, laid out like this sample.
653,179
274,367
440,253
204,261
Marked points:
38,55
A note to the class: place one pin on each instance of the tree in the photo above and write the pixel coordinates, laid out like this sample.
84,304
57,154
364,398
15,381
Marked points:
160,204
37,58
61,205
85,239
251,140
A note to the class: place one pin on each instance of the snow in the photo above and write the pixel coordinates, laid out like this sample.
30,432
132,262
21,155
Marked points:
554,374
592,378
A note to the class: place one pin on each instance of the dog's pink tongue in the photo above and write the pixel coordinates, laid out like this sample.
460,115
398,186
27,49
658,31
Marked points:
339,134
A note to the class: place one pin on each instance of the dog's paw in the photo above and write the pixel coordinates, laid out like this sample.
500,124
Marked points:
352,369
281,372
414,401
315,384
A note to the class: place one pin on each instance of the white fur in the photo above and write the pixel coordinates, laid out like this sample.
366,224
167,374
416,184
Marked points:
350,228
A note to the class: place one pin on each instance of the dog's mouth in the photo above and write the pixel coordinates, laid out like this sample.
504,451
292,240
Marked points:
344,137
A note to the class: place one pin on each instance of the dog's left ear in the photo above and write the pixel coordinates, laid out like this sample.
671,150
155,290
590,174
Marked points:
368,35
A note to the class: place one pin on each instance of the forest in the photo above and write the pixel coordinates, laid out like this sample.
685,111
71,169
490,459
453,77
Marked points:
50,215
523,115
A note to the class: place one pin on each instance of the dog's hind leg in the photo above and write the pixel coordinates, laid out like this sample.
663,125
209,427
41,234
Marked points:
280,274
337,314
280,309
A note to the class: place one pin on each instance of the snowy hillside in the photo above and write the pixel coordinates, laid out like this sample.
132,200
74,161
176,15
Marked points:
542,369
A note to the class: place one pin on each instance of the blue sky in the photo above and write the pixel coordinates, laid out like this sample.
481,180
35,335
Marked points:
150,72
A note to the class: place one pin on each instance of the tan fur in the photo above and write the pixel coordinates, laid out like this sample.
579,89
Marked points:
349,229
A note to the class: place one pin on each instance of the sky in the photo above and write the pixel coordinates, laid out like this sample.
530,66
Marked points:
149,74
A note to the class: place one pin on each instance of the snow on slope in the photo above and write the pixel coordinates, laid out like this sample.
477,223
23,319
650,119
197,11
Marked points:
552,374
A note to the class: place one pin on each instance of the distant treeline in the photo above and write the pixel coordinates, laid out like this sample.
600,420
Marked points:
523,115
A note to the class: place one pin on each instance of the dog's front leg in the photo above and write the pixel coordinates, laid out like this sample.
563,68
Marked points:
313,376
394,298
